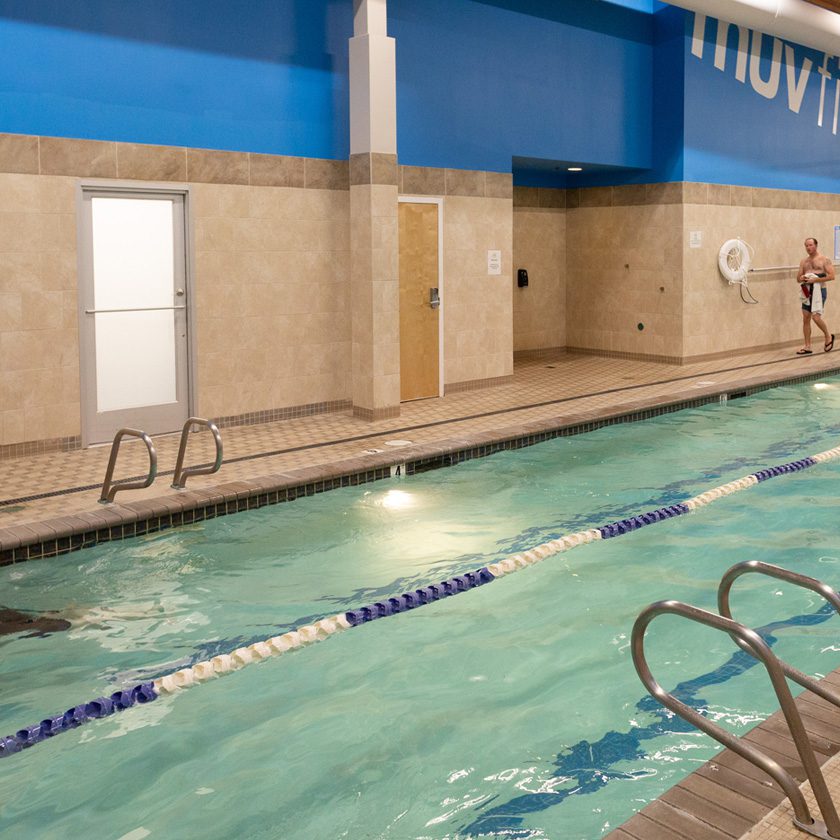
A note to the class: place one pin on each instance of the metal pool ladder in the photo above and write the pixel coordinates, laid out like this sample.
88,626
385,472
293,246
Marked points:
751,642
182,473
110,488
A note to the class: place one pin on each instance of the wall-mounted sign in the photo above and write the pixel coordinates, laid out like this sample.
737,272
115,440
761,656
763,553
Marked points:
494,262
837,242
695,238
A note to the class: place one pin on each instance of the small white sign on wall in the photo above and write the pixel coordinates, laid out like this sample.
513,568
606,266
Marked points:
837,242
494,262
695,239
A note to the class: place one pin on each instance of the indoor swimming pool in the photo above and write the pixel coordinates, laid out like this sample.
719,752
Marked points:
512,711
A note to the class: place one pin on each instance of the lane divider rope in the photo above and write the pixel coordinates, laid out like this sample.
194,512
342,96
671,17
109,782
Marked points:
309,634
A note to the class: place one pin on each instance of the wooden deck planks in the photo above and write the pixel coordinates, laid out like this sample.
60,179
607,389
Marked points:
728,795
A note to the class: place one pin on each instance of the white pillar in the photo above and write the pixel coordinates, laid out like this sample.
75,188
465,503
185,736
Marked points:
374,247
373,81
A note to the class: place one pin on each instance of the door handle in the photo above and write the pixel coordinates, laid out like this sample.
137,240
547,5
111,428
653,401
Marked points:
134,309
434,297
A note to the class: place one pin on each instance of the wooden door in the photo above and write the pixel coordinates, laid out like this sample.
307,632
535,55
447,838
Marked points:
419,301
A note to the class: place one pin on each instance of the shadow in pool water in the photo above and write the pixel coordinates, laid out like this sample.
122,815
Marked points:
32,624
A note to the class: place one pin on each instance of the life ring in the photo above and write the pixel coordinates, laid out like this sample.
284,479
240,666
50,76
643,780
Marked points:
734,260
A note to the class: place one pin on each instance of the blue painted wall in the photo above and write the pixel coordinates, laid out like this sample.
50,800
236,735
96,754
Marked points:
262,75
736,135
482,81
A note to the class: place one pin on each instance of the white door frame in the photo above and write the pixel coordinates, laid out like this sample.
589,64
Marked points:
425,199
87,374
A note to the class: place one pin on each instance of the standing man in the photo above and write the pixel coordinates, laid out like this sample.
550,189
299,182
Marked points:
814,272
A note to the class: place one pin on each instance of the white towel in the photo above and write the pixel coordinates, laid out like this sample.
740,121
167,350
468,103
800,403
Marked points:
813,293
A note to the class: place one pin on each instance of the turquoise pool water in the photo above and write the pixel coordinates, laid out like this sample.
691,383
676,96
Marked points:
510,711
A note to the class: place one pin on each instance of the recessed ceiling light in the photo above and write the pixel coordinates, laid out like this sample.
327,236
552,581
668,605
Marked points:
575,169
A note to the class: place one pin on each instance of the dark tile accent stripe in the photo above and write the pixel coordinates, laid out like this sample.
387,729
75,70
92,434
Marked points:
477,384
251,418
326,174
39,447
374,168
19,154
620,354
207,166
372,414
466,182
422,180
595,197
272,415
528,196
85,158
276,171
33,155
498,185
682,192
534,198
476,183
545,353
151,163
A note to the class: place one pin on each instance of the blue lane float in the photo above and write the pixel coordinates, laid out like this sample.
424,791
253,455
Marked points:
226,663
419,597
75,716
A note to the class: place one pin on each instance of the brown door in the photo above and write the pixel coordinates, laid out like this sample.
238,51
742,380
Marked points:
419,302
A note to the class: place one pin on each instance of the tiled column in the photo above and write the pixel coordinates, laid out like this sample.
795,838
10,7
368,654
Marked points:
374,247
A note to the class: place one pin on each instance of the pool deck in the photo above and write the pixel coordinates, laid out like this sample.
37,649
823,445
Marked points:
49,503
49,506
728,798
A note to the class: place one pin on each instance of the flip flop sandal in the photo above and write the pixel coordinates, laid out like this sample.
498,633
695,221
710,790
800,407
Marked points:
830,346
804,352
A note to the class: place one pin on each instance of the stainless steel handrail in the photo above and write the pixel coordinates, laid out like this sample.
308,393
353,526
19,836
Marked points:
782,267
813,584
109,489
179,481
134,309
760,650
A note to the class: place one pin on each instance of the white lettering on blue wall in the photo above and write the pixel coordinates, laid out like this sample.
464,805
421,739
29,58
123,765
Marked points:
749,45
796,89
823,71
769,88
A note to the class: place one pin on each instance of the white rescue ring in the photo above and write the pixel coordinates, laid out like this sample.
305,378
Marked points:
734,260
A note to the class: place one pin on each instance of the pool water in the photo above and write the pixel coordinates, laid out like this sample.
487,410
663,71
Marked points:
511,711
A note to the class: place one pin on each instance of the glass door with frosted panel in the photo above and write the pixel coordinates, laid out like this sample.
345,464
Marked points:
133,297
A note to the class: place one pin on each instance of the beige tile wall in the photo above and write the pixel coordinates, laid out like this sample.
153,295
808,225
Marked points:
715,317
272,297
478,308
273,285
539,246
272,277
39,346
375,293
624,267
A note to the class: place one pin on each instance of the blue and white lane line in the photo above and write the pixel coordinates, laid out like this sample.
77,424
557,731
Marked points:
326,627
